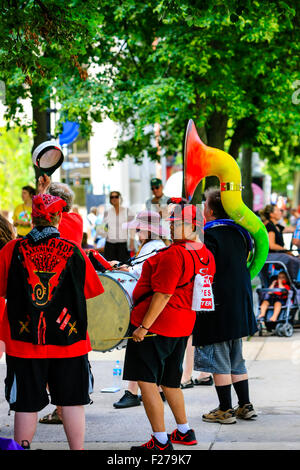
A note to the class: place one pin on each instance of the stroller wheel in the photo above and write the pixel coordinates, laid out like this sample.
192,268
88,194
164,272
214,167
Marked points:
287,329
278,329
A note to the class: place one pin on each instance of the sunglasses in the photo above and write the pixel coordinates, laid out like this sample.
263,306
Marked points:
114,197
155,187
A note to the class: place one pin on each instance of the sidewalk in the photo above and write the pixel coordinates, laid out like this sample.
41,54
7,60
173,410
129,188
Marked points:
274,375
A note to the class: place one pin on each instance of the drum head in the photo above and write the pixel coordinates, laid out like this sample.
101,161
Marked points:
108,315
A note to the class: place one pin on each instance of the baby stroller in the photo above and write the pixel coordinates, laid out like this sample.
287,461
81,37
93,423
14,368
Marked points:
284,325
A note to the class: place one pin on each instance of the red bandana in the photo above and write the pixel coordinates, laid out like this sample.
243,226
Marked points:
45,206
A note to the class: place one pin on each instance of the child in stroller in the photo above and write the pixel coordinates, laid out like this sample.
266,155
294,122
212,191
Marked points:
275,298
278,302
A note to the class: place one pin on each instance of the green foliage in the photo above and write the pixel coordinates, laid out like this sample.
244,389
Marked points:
195,60
46,49
143,62
15,166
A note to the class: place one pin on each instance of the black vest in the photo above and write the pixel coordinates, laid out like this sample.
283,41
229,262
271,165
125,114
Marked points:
45,292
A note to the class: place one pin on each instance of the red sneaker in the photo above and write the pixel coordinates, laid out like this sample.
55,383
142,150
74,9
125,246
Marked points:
187,439
154,445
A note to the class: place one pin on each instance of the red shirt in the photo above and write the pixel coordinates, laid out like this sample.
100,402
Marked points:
280,293
163,273
71,227
92,288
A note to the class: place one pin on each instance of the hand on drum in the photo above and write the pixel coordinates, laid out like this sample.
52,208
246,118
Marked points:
113,263
124,267
139,334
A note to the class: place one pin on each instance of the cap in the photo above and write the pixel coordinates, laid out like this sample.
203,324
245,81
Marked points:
47,157
187,214
155,182
149,221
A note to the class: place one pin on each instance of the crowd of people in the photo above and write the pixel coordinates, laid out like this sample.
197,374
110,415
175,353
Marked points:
192,306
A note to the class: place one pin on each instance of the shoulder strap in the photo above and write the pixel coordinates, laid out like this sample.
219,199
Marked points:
150,293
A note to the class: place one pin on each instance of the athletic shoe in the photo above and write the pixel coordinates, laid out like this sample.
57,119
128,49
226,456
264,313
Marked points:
187,439
154,446
127,400
245,412
219,416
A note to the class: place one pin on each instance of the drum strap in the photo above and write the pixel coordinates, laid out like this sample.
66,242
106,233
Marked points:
151,292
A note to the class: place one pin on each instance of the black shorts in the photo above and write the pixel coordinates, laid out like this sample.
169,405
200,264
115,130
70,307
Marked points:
157,359
272,299
69,382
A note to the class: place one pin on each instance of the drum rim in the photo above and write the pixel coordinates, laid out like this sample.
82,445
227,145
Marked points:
130,302
119,284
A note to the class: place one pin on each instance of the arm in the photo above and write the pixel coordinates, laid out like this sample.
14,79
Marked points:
43,184
158,303
272,244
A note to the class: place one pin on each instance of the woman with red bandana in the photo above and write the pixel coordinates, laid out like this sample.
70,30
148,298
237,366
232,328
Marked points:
46,281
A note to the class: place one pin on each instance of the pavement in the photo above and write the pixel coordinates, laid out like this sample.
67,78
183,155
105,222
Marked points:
274,376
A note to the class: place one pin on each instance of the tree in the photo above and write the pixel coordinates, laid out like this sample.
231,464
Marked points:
15,163
230,66
46,49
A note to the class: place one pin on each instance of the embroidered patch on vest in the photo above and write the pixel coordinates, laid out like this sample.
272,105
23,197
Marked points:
45,264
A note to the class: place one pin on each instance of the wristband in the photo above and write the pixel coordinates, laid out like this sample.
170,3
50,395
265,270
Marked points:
141,326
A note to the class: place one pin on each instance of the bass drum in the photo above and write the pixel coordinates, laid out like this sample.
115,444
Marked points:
109,313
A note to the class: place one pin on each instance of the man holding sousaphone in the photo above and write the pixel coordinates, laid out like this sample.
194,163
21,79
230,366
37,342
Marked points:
165,305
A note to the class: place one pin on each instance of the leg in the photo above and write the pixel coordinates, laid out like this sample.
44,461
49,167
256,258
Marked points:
74,425
175,400
240,382
223,389
241,386
24,426
222,379
153,405
276,311
58,409
189,361
263,308
245,409
133,387
224,414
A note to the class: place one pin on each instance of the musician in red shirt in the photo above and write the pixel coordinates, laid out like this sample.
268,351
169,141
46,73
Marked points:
163,300
46,280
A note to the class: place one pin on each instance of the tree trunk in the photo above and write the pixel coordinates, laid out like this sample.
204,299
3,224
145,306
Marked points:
246,171
40,117
216,132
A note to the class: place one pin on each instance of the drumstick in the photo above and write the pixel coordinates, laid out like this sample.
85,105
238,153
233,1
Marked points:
125,337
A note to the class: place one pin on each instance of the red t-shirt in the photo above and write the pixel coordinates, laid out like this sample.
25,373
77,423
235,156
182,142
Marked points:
92,288
163,273
280,293
71,227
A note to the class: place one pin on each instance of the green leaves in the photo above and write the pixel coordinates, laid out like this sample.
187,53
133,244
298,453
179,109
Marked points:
142,62
15,166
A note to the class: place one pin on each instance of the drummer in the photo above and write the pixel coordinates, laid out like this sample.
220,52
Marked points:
150,232
163,299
